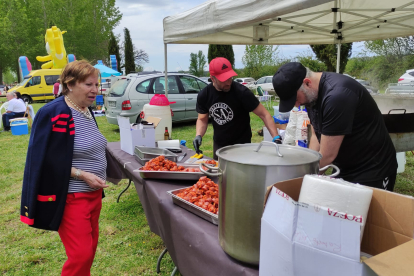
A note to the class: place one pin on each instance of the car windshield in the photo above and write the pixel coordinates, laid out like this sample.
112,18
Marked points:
25,80
118,88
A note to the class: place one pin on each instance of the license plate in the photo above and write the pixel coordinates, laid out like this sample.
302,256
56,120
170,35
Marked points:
112,104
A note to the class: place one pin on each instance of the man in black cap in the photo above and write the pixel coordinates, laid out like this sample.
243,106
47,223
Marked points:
346,122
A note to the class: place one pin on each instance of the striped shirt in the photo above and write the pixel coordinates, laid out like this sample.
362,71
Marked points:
88,151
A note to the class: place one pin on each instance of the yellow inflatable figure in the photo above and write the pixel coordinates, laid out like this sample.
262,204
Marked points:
55,48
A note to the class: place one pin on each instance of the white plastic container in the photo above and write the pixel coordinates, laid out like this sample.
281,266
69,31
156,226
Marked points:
276,111
401,162
163,112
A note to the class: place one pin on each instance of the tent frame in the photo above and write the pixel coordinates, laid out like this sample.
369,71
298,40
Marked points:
334,32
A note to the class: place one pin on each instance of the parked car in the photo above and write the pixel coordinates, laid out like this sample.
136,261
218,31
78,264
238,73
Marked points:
128,95
206,79
265,83
249,82
2,86
38,85
368,86
407,77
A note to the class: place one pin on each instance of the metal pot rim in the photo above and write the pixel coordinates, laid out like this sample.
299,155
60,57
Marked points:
316,154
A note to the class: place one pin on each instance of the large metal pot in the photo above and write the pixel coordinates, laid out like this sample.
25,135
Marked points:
245,172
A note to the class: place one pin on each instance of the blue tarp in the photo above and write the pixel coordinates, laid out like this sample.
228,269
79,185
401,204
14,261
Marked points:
106,71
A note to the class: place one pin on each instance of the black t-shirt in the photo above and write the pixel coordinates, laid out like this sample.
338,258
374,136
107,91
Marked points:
230,113
345,107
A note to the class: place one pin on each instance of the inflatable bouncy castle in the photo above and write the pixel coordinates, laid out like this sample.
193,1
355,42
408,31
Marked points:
55,48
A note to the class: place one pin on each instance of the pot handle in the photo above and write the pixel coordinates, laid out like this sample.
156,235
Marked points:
331,166
210,167
270,143
401,109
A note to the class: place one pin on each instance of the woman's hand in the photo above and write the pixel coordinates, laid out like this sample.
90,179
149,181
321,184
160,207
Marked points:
92,180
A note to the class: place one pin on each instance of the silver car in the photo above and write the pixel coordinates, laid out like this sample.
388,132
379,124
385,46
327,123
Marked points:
128,95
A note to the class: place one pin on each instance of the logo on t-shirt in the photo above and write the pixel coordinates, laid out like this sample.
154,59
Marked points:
221,113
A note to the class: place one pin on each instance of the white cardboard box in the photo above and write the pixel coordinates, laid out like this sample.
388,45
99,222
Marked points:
300,239
139,135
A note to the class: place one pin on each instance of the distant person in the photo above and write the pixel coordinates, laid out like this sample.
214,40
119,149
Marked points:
18,96
57,88
15,109
65,169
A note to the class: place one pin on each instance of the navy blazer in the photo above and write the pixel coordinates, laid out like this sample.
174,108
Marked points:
48,166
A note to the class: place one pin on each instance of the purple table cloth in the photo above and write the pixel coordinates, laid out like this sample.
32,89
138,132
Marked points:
192,242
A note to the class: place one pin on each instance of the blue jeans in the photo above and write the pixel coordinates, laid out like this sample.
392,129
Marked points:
7,116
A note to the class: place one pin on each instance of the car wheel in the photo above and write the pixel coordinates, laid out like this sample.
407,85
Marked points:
27,98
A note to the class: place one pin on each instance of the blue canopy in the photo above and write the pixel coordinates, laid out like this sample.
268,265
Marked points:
106,71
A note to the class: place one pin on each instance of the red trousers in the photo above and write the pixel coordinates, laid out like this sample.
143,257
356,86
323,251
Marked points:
79,231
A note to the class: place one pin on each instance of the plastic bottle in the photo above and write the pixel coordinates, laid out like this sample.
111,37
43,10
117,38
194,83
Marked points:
166,134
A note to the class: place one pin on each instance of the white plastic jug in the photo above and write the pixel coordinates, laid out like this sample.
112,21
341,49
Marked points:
162,112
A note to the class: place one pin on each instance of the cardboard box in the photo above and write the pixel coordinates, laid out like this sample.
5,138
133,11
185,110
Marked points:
301,239
138,135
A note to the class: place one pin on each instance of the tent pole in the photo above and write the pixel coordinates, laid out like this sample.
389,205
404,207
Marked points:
166,74
338,57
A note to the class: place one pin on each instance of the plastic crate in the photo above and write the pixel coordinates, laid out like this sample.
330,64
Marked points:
280,121
99,100
302,143
19,126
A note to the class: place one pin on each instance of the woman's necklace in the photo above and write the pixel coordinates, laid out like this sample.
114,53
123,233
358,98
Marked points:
86,113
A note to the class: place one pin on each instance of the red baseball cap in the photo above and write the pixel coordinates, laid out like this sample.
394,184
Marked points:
221,69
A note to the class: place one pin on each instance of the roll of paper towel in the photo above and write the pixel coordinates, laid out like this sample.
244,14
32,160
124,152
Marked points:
337,194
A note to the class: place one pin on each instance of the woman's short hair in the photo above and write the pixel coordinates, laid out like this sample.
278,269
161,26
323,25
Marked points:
76,71
18,95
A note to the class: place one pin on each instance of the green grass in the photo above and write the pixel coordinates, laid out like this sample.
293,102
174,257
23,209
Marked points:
126,244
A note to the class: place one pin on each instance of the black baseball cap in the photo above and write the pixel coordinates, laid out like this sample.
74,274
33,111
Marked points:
286,83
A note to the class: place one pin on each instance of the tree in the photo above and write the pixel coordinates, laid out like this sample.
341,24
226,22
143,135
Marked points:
258,57
140,57
128,52
327,53
197,64
23,25
225,51
312,63
113,48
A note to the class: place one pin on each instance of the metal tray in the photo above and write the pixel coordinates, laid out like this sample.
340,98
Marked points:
172,175
213,218
141,161
150,153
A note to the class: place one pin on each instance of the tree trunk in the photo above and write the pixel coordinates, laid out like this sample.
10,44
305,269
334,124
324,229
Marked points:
19,80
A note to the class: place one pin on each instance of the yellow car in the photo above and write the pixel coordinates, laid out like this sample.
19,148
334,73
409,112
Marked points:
38,85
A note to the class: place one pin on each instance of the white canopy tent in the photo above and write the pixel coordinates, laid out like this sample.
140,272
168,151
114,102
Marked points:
288,22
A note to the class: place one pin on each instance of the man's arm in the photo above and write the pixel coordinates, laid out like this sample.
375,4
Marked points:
314,143
201,125
329,149
267,119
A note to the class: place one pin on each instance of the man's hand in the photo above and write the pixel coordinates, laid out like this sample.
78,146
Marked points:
197,143
277,140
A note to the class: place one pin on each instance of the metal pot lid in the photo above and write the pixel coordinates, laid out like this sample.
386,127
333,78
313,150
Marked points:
268,154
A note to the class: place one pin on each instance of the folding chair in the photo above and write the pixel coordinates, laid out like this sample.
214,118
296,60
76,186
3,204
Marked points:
3,106
28,113
264,98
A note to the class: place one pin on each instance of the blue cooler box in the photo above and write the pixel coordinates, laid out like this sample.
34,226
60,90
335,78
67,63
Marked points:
19,126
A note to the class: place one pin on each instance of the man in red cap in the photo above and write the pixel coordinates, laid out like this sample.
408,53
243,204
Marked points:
229,104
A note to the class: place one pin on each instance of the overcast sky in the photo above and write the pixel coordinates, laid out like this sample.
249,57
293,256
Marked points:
144,20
